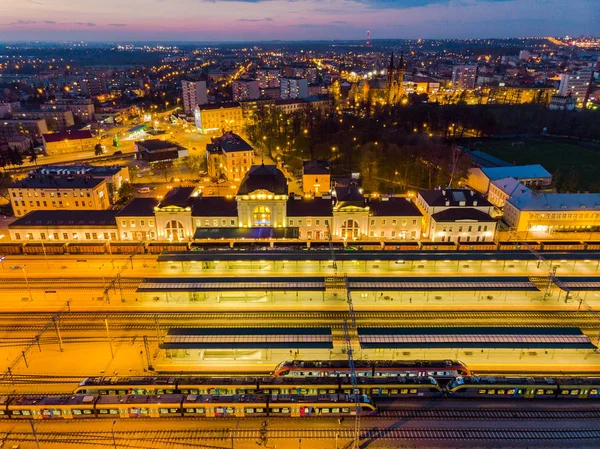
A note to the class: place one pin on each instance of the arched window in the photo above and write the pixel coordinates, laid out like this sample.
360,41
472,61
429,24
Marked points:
174,230
262,216
350,229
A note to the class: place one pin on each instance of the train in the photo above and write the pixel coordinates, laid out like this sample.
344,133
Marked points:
182,405
374,368
110,247
375,387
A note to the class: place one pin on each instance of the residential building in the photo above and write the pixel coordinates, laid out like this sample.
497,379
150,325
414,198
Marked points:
575,84
229,156
316,178
114,175
562,103
136,220
456,215
268,77
549,213
219,118
56,121
93,87
155,150
245,89
28,127
66,226
45,192
194,93
82,108
293,87
533,176
69,142
464,76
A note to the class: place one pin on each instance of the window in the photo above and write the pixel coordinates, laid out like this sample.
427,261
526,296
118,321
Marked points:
317,222
383,222
291,222
43,235
371,233
394,222
262,216
232,222
326,222
299,222
123,223
223,222
174,230
308,222
76,203
94,235
37,203
485,228
132,223
350,229
17,236
113,236
414,222
460,229
206,223
215,223
55,235
151,223
478,228
45,205
142,223
470,228
106,236
382,233
393,234
372,222
87,236
65,236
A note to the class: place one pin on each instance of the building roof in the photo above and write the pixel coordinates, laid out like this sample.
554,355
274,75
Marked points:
61,170
461,214
264,177
229,143
207,107
139,207
511,186
214,206
57,182
482,159
454,197
394,207
516,171
315,207
350,195
316,167
67,135
66,218
156,145
556,201
179,196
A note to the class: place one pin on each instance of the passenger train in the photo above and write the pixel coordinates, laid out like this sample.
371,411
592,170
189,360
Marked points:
374,368
179,405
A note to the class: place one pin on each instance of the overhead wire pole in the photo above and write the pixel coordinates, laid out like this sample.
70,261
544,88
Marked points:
116,281
349,351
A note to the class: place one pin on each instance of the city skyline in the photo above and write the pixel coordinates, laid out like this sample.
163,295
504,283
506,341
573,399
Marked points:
251,20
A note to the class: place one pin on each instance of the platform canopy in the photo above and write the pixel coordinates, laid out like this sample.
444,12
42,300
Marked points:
255,338
231,284
475,337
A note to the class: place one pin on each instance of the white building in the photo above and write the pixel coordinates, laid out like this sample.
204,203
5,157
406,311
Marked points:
245,89
193,93
574,84
293,87
268,77
464,76
456,215
534,176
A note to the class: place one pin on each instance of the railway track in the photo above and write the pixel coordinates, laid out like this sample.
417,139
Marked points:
164,438
332,315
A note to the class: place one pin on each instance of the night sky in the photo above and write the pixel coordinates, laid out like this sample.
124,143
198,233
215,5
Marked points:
225,20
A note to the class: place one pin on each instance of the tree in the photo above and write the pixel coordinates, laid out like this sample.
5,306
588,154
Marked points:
99,149
164,167
126,191
194,164
5,182
369,167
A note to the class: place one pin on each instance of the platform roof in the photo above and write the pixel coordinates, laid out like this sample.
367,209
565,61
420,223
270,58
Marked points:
249,338
430,283
324,255
475,337
580,283
234,283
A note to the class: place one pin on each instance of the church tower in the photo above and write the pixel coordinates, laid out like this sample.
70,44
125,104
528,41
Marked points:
392,81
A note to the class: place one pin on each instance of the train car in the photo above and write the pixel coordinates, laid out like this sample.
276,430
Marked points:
502,387
396,387
4,400
477,246
578,388
401,246
217,385
383,368
157,247
320,405
139,406
558,245
86,248
11,248
122,386
46,248
124,247
220,406
438,246
52,407
301,386
592,246
519,246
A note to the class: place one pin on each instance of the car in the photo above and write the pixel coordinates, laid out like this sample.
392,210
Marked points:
139,175
144,190
117,153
